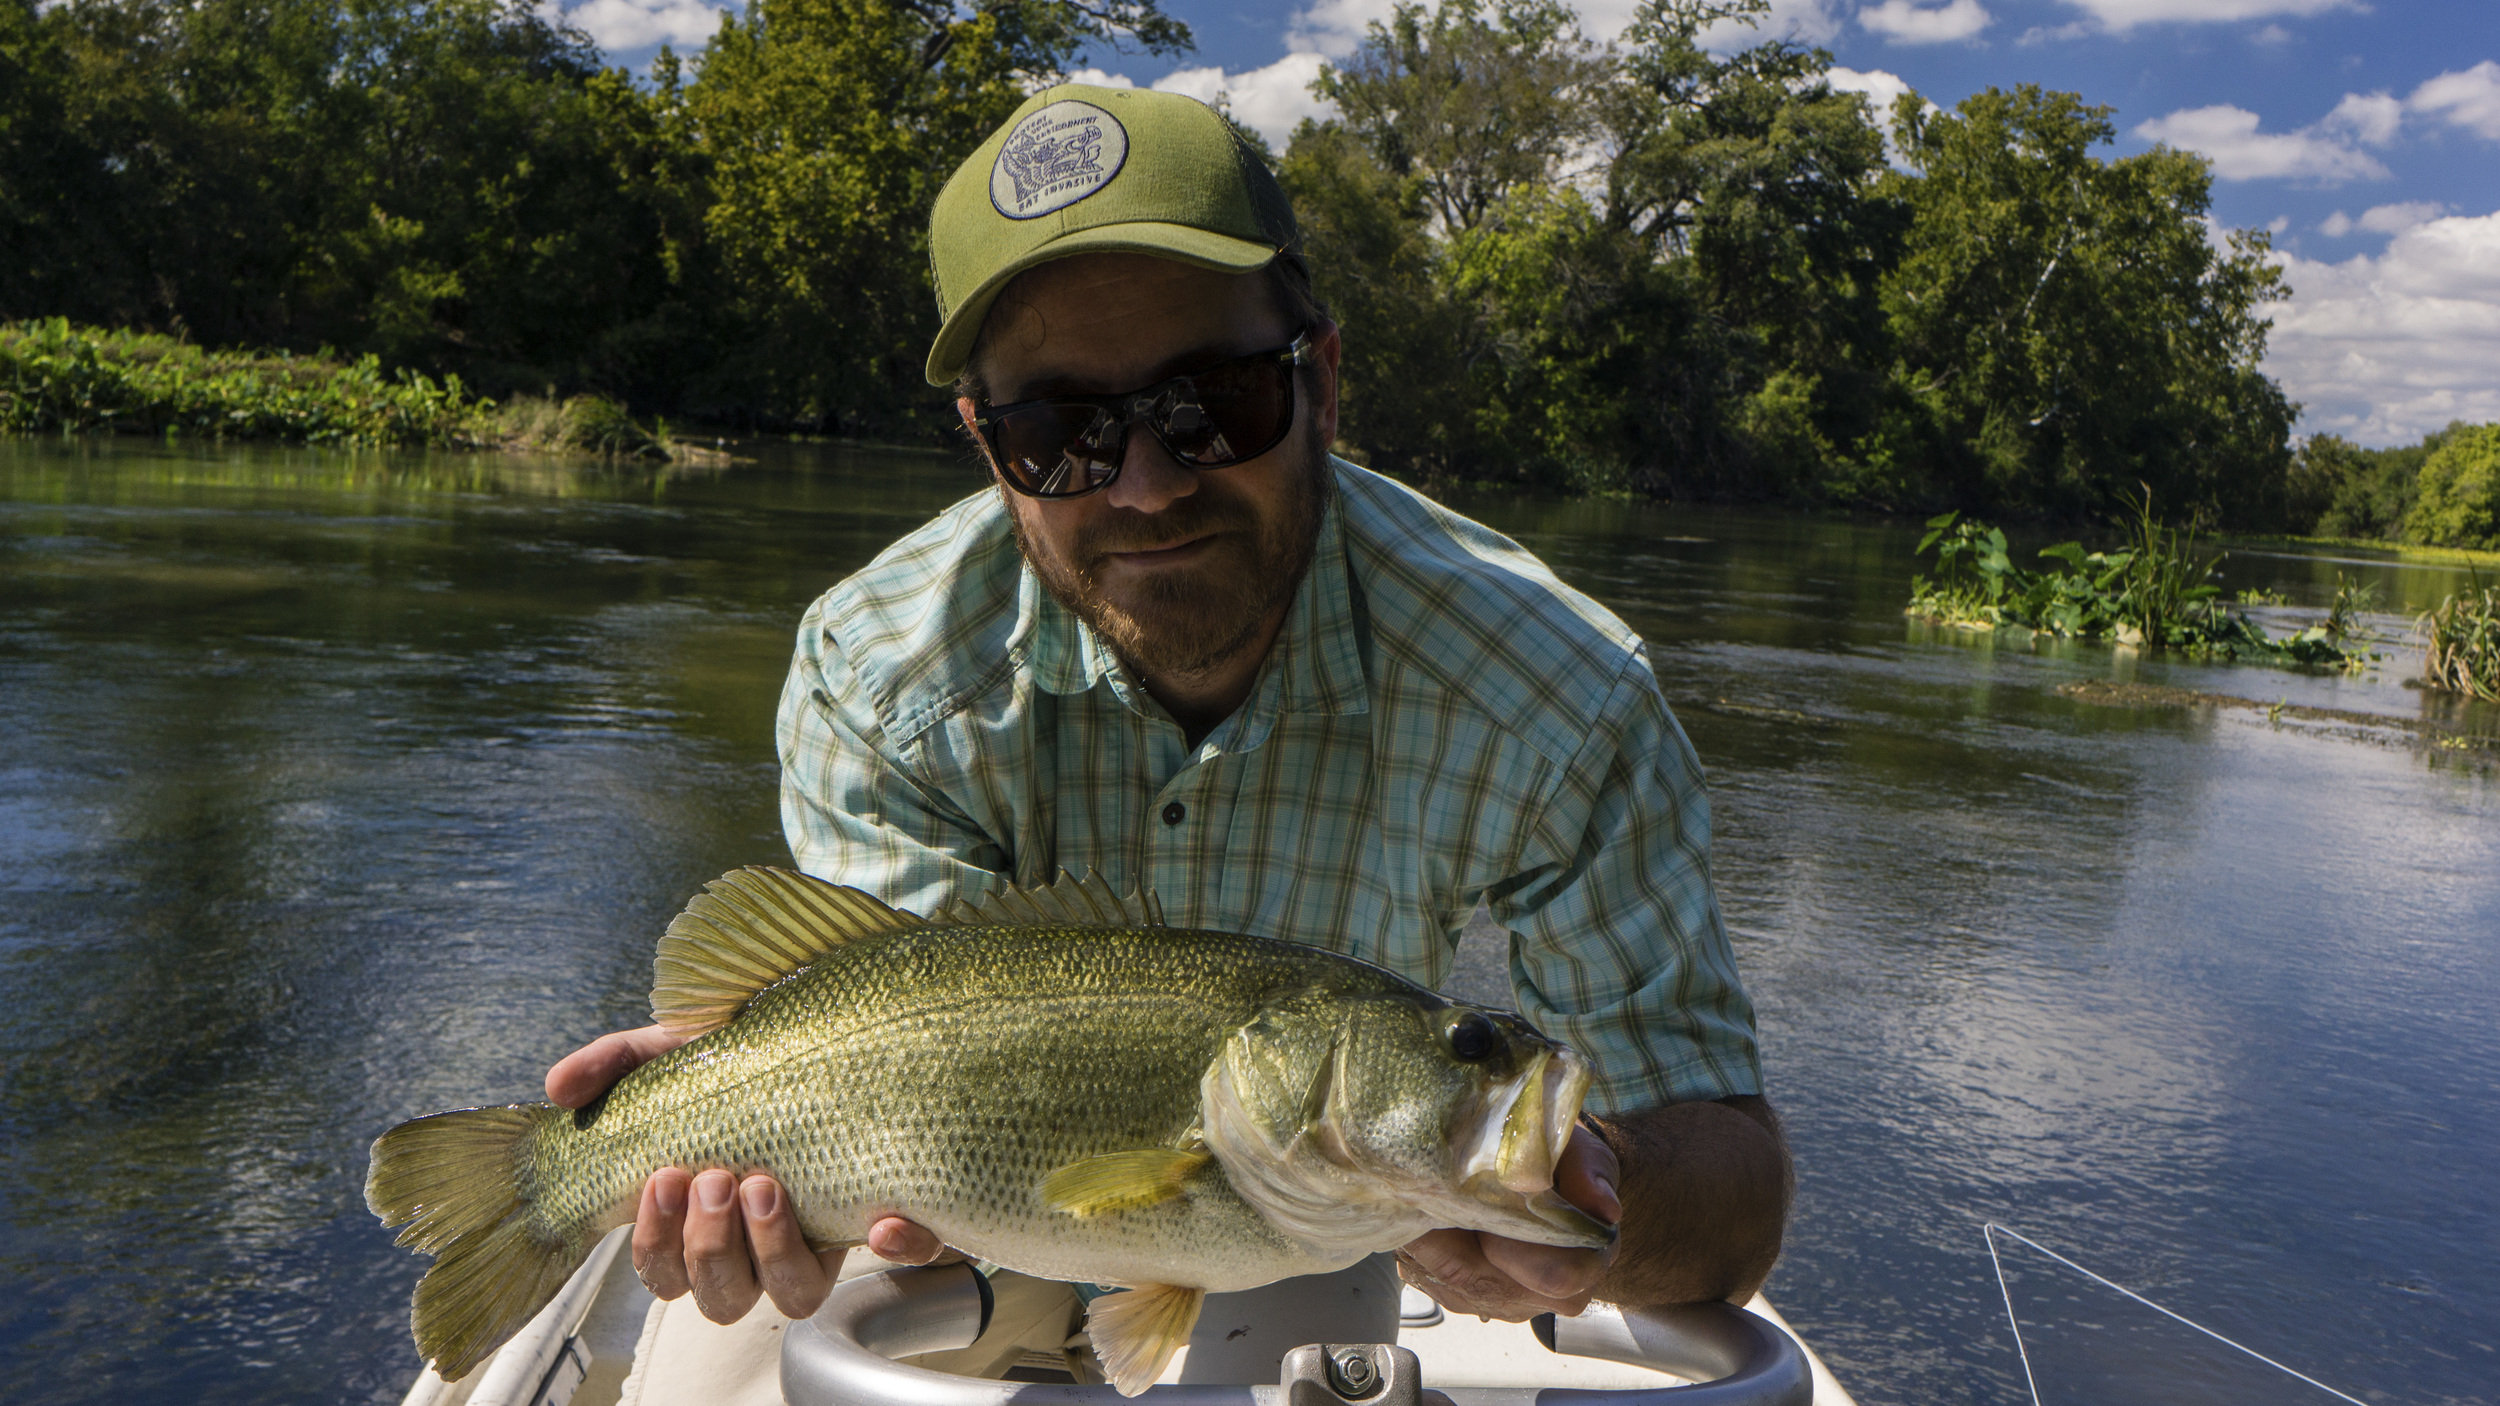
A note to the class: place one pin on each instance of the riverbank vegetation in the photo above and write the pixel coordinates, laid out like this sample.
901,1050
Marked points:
2442,492
2461,643
2154,589
56,377
1648,268
62,379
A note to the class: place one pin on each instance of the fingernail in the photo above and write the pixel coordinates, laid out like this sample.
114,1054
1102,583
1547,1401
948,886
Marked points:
1611,1204
713,1189
763,1197
670,1196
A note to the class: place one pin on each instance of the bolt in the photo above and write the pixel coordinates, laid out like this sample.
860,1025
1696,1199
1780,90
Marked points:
1354,1372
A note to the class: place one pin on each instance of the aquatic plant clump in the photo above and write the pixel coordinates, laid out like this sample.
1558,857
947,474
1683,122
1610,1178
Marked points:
2155,590
58,377
2461,643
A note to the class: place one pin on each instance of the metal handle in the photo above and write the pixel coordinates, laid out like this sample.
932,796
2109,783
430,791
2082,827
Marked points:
844,1356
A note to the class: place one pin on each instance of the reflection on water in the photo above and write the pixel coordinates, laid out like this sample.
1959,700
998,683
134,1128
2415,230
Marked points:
336,789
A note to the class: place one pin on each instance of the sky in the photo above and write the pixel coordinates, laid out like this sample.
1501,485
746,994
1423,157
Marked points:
2363,134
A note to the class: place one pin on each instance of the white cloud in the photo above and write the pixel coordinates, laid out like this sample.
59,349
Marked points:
2371,117
2123,15
2271,35
2386,349
1803,21
2396,219
1882,89
1271,101
2336,226
1905,22
2468,98
2040,34
1333,27
639,24
2229,137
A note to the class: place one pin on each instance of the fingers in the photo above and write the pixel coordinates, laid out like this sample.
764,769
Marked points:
589,1071
1553,1273
1585,1176
905,1242
718,1270
1459,1269
790,1273
660,1232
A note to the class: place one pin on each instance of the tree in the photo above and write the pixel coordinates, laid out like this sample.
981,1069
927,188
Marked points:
1751,181
1470,102
2066,329
2459,501
829,126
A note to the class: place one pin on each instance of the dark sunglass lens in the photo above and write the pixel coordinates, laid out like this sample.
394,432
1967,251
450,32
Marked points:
1236,411
1058,451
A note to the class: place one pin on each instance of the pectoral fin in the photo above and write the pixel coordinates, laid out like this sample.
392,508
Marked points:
1136,1333
1121,1181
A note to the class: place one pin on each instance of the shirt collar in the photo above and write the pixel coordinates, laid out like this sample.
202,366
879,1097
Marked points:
1315,666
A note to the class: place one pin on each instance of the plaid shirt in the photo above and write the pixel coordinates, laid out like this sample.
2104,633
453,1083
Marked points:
1440,721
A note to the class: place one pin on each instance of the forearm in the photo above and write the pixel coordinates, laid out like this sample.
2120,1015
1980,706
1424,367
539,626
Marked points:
1705,1190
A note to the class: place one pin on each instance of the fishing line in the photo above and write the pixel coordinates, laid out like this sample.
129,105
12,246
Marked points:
1991,1230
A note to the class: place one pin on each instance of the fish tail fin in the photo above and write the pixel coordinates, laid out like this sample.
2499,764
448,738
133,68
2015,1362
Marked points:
460,1182
1136,1333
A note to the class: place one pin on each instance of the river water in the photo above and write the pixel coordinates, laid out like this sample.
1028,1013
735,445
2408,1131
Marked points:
336,788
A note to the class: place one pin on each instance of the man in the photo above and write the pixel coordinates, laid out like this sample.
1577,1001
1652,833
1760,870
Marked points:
1181,645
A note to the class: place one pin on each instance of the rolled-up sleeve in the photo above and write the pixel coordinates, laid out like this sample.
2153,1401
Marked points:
851,808
1618,949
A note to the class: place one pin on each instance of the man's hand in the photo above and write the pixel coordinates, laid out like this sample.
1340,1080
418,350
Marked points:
1698,1191
1493,1276
729,1241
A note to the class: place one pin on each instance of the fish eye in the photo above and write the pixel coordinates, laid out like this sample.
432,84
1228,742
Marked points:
1472,1037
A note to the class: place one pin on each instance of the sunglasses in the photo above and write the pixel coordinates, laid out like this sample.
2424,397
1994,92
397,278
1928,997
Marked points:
1067,446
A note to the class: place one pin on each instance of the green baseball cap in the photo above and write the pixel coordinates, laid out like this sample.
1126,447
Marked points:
1082,170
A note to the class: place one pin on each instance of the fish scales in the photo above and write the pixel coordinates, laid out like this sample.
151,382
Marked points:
1179,1111
1011,1085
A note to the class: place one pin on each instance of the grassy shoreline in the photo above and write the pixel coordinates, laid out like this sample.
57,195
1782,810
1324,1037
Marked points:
2402,551
59,378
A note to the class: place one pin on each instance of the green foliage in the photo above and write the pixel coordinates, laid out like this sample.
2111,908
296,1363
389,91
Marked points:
581,424
2339,489
1682,328
1654,267
2064,328
826,128
1731,295
56,377
2458,502
2461,643
2155,589
458,186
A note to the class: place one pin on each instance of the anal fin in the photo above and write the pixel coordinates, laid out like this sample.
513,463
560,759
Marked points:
1136,1333
1122,1181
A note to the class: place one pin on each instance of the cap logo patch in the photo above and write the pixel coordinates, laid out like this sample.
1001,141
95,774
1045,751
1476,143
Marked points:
1055,158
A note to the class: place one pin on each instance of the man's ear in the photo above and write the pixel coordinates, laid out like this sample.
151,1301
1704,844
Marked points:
1326,348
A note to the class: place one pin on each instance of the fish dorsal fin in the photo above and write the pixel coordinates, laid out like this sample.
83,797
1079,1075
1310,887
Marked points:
1068,902
748,929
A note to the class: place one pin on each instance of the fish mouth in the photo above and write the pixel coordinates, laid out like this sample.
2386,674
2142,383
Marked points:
1508,1166
1526,1124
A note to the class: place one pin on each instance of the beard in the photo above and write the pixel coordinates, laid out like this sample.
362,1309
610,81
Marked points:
1178,623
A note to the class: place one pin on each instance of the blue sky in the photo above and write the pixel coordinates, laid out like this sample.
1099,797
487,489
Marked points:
2366,136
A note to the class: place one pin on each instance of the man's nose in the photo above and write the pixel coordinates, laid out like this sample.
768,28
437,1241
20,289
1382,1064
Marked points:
1150,478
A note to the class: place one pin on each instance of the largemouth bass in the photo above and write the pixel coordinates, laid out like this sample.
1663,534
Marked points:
1049,1079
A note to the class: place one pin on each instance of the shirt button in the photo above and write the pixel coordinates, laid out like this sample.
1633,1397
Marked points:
1175,813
